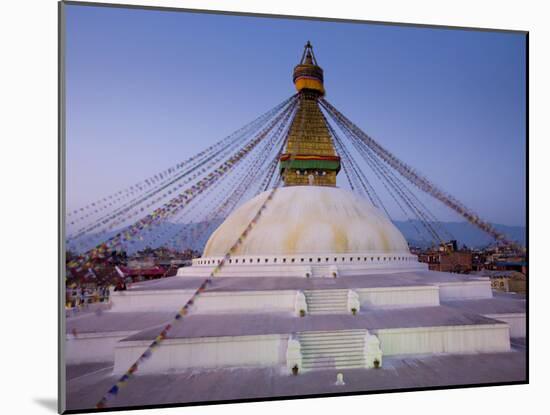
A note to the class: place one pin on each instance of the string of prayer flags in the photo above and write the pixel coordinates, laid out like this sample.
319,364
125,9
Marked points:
113,391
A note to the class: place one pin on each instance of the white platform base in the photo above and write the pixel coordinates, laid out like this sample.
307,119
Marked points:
516,321
307,265
284,300
385,297
205,352
271,350
138,301
93,347
451,339
465,290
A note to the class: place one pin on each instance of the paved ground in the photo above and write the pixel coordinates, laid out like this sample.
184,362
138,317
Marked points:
398,279
495,305
109,321
204,325
502,294
85,390
86,309
85,369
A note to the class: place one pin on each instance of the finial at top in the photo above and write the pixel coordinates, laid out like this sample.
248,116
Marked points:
308,75
308,58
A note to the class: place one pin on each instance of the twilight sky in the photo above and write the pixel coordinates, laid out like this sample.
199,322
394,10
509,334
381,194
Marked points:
148,89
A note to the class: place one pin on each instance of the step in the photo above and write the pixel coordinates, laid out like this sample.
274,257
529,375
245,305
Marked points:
339,309
323,309
339,359
325,296
328,290
333,352
326,365
340,353
328,302
331,360
333,343
330,340
333,367
355,342
348,348
317,335
332,363
333,355
328,309
332,333
333,346
336,359
324,341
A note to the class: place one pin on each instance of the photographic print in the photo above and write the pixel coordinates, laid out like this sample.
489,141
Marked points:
261,207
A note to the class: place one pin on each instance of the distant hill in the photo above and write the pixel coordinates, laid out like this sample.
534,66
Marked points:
463,232
193,235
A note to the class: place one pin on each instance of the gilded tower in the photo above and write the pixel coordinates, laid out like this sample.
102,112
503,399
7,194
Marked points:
310,157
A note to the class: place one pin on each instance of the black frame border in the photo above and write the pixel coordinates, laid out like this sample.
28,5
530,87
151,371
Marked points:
62,193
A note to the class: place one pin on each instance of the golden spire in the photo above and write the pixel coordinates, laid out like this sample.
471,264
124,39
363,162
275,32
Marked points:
307,74
310,157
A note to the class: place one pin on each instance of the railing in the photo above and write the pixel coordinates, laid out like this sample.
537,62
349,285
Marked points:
294,354
354,305
300,304
373,352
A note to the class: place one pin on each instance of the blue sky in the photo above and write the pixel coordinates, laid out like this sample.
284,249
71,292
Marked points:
148,89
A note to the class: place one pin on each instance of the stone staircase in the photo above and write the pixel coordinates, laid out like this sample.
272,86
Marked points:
338,349
327,301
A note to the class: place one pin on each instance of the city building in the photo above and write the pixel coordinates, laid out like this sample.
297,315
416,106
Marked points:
448,261
505,280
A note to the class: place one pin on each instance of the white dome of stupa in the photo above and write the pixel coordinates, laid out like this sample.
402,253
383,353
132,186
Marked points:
308,220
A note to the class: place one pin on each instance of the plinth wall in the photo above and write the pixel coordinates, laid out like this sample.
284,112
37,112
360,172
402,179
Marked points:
204,352
448,339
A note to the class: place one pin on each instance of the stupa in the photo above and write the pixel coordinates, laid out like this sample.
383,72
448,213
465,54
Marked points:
323,281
